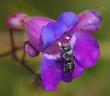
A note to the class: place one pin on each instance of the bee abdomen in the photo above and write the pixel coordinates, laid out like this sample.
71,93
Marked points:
67,56
69,67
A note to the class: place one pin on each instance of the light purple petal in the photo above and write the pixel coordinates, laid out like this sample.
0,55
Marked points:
52,32
33,28
48,35
51,73
55,30
89,22
60,29
70,19
86,50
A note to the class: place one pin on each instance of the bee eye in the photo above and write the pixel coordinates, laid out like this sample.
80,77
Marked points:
67,67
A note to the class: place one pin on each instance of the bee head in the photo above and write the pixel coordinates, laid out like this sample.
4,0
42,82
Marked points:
66,47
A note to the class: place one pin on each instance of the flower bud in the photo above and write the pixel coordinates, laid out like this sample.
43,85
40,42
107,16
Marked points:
30,50
17,21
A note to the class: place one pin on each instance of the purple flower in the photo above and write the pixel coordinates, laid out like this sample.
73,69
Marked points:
48,36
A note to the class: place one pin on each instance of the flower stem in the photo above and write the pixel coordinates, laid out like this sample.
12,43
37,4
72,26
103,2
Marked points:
15,57
22,62
10,52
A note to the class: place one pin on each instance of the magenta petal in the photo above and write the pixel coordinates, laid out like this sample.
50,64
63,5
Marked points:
89,22
50,72
33,28
86,50
79,71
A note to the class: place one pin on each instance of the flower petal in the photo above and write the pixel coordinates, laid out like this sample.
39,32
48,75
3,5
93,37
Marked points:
60,29
51,73
52,32
48,35
86,50
67,77
33,28
70,19
89,22
79,71
55,30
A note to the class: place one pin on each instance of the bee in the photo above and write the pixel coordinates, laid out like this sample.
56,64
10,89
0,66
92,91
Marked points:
67,56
